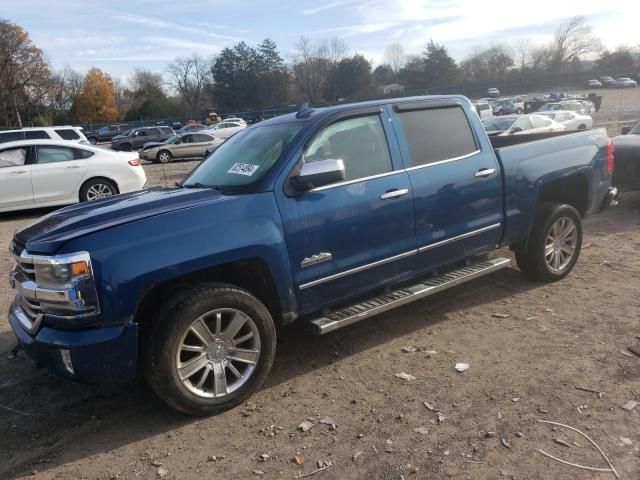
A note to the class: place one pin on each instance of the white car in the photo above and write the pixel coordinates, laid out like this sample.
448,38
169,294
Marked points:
484,110
625,82
571,120
43,173
66,132
227,128
572,105
521,124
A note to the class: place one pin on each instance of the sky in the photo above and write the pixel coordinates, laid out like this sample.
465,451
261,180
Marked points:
118,35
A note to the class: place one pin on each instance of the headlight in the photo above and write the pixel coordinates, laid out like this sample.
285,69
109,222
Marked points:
60,275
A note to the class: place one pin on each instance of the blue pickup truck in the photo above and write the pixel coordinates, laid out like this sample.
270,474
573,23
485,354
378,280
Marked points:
328,216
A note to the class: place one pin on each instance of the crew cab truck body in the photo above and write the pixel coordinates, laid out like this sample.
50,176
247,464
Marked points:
328,216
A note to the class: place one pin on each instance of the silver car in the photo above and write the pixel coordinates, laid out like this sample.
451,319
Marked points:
185,145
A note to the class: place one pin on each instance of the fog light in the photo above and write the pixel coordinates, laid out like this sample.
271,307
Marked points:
65,356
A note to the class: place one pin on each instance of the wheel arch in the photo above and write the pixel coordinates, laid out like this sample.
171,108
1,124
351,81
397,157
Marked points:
251,274
97,177
572,190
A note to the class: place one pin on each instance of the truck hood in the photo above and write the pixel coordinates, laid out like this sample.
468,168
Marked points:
48,233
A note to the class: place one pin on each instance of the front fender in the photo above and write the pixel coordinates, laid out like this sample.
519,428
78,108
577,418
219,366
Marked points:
130,259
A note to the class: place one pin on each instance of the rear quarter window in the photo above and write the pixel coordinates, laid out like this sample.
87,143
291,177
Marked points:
11,136
67,133
35,134
437,134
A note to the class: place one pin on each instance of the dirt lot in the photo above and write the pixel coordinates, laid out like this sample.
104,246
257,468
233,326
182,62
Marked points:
523,368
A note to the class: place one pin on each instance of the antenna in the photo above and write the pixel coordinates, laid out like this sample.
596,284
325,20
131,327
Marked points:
304,111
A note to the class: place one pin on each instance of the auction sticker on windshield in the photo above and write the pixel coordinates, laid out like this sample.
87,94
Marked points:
247,169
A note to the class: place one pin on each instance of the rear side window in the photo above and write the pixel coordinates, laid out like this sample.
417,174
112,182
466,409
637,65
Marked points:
437,134
56,153
359,142
35,134
11,136
200,138
67,134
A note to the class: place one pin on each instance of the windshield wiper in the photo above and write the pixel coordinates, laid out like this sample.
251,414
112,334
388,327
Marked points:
200,185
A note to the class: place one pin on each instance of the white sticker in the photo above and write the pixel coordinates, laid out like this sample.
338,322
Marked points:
247,169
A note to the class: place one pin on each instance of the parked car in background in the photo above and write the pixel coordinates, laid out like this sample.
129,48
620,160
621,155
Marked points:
571,120
626,175
192,127
137,137
572,105
211,148
484,110
588,107
493,92
227,128
43,173
625,82
314,216
507,106
595,83
105,134
66,132
184,145
521,124
607,81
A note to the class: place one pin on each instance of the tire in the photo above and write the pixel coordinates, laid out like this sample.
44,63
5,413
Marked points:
164,156
93,140
125,147
582,127
97,188
194,388
519,111
531,257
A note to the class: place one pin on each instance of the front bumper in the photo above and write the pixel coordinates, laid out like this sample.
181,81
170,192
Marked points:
610,199
97,355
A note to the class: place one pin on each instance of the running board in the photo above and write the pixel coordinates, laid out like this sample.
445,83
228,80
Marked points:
376,305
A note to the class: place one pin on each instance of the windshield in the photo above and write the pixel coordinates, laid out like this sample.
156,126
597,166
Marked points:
498,124
635,130
245,158
173,139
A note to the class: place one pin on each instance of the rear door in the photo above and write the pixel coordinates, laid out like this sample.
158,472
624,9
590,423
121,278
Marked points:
457,187
57,173
15,177
354,235
200,143
183,149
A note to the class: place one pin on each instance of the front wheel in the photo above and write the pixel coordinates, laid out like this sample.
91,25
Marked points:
163,156
554,244
211,347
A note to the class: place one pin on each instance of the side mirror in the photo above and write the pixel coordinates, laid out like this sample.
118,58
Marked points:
319,173
516,129
625,130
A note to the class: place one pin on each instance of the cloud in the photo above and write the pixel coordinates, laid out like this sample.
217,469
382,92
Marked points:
328,6
157,23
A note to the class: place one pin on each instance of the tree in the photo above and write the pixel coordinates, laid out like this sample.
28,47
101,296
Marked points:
572,40
384,75
273,75
490,63
147,97
22,67
189,77
524,48
310,69
394,57
64,87
96,102
350,77
620,61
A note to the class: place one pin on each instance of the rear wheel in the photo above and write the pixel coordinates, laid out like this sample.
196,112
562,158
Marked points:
93,140
125,147
211,347
554,244
163,156
519,111
97,188
582,127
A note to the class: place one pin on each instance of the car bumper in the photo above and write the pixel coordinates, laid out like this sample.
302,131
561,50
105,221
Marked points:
610,199
96,355
148,154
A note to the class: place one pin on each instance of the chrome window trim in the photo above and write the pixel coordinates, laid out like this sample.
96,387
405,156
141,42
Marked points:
357,269
363,179
447,160
458,237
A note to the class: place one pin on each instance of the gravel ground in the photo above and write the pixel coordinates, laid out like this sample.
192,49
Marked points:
523,367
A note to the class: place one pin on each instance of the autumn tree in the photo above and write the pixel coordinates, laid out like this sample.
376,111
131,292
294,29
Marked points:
96,101
22,69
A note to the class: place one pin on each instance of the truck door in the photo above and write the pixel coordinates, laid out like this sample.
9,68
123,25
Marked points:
356,234
457,186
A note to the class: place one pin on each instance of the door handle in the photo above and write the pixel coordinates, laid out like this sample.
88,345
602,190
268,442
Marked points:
74,166
18,172
394,193
485,172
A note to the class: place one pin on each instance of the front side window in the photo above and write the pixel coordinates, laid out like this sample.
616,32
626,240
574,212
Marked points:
437,134
359,142
54,153
13,157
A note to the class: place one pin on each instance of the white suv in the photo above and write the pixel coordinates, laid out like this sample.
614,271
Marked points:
66,132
